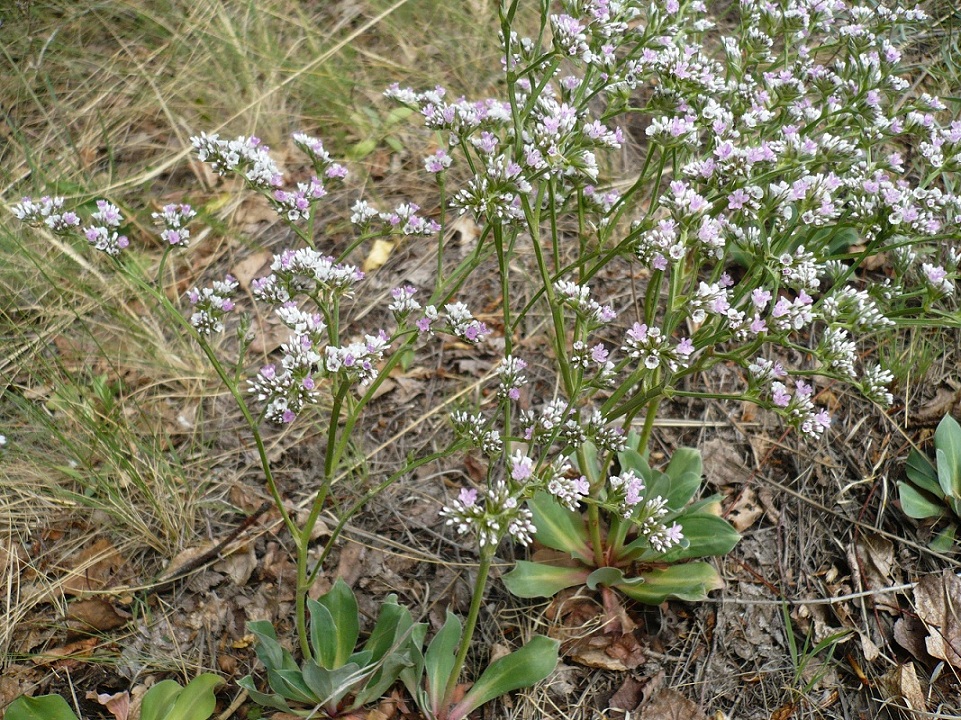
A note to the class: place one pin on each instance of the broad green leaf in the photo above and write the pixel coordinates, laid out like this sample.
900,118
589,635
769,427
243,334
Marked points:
439,659
330,686
592,467
947,439
532,579
159,699
44,707
290,684
944,541
689,581
707,536
323,634
631,459
269,651
682,490
271,701
522,668
947,479
392,622
318,679
558,527
196,701
610,577
381,681
922,473
411,675
916,505
684,460
342,604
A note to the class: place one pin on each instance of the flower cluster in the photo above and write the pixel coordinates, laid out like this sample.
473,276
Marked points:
475,429
457,320
211,305
499,515
102,233
305,272
244,155
174,218
402,220
48,212
628,494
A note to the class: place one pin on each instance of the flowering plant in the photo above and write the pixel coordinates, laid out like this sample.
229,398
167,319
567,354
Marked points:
770,175
933,490
652,532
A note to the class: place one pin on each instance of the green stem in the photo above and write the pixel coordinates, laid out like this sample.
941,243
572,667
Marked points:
594,528
483,570
652,407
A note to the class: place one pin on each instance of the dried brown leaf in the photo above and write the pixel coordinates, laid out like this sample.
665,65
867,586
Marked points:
96,614
938,602
251,267
117,704
902,682
93,568
669,704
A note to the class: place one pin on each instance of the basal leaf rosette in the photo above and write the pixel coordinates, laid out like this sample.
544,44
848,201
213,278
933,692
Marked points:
655,540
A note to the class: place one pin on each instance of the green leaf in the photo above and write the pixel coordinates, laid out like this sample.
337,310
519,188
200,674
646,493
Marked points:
916,505
269,651
558,527
683,461
944,541
611,577
439,660
631,459
922,473
690,581
290,684
532,579
946,477
44,707
591,465
196,701
392,621
522,668
323,634
330,686
707,536
159,699
682,490
412,674
947,439
270,701
342,604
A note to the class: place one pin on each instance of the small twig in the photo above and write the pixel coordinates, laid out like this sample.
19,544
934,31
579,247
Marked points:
819,601
214,552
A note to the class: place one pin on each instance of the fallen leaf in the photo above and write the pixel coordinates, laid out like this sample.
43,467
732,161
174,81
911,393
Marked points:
379,254
239,566
745,511
902,682
628,696
945,401
251,267
938,602
117,704
874,560
723,465
93,568
81,648
669,704
909,633
95,614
